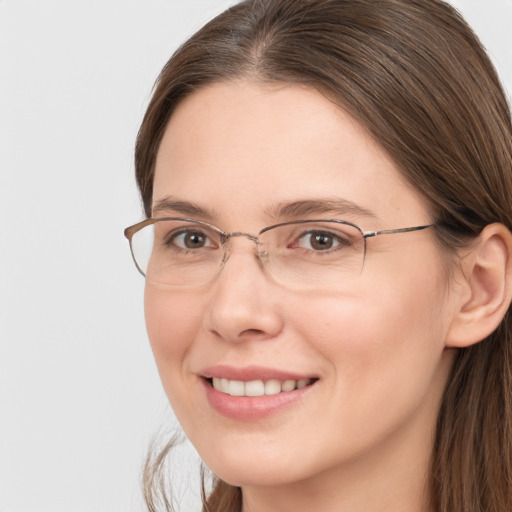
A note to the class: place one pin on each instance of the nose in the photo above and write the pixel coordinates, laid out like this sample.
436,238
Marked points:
244,302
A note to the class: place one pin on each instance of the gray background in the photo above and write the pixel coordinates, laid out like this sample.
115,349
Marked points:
79,392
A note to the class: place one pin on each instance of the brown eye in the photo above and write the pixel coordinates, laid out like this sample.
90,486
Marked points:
319,241
191,240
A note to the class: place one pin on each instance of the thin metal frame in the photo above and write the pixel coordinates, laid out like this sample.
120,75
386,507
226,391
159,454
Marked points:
130,231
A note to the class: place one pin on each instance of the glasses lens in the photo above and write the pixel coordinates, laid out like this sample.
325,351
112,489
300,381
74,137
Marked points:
300,255
312,254
177,252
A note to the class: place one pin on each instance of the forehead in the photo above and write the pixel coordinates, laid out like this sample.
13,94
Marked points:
239,148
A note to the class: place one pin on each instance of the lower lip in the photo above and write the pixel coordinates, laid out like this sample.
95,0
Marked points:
250,408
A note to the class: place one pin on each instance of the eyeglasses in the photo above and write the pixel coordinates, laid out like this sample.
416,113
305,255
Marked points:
303,254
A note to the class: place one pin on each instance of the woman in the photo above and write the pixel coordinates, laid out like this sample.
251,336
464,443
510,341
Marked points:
328,191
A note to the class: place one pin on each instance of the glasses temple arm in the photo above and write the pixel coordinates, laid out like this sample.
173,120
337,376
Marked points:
369,234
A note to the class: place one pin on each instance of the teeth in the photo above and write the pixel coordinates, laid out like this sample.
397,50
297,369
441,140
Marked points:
272,387
258,387
289,385
224,385
255,388
236,388
302,383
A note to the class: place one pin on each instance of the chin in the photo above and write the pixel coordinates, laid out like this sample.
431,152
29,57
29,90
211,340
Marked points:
250,474
255,462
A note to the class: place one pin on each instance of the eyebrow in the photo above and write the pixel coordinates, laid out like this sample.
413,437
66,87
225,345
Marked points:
169,205
332,206
294,209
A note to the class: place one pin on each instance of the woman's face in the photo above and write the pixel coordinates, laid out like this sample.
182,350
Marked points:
371,353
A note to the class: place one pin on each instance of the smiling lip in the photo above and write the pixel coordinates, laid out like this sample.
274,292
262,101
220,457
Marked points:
291,387
250,373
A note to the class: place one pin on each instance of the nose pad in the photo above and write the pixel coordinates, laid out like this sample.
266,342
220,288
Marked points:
243,301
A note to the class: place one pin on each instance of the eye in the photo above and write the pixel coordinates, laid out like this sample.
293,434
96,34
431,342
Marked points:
319,241
190,240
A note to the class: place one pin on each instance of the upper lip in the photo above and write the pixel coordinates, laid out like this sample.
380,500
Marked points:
250,373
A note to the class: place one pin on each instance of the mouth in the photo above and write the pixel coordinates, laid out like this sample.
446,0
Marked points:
257,388
253,393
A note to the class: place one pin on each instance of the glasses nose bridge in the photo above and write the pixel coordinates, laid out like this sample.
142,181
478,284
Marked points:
235,234
226,239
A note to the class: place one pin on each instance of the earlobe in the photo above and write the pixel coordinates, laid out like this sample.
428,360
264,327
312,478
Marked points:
485,294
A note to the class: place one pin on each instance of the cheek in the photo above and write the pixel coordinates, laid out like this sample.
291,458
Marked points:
384,343
172,322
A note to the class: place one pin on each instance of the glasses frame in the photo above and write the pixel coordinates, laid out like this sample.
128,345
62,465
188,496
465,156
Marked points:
130,231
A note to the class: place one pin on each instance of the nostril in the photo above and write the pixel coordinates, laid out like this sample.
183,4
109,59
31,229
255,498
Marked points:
247,333
251,332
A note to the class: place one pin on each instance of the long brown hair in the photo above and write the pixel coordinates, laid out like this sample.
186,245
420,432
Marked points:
416,77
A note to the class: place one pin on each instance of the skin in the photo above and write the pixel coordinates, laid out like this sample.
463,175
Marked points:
361,438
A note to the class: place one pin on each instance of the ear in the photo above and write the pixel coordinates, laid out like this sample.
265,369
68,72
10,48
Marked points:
484,292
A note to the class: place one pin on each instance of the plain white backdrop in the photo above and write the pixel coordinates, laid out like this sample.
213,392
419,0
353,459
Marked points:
79,393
